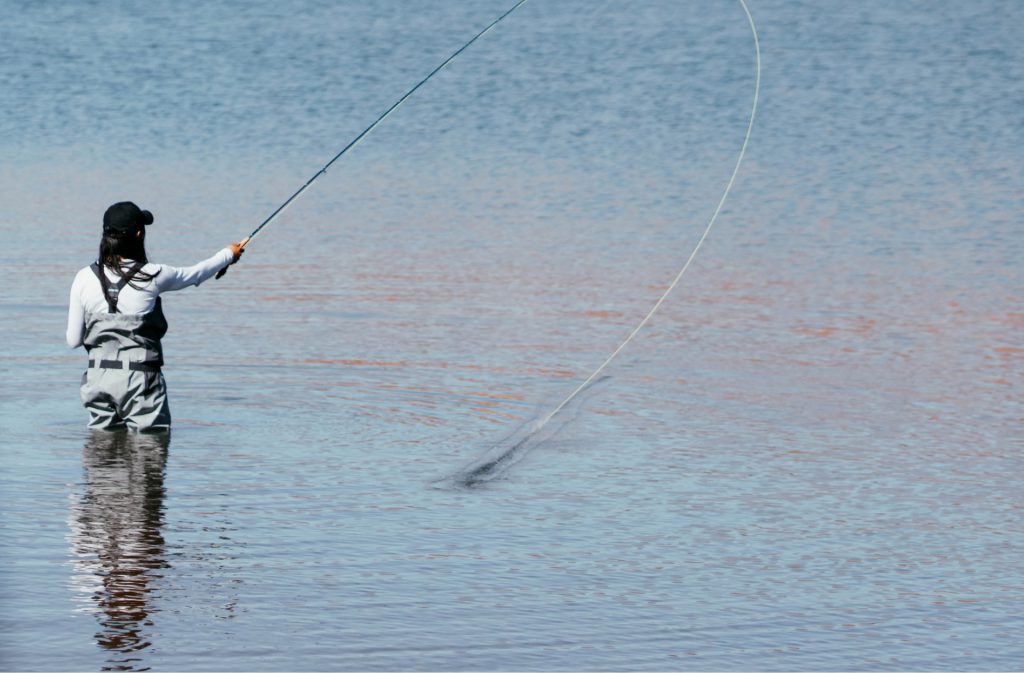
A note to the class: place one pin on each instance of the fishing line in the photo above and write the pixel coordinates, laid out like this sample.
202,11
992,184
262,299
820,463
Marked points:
486,467
355,141
491,465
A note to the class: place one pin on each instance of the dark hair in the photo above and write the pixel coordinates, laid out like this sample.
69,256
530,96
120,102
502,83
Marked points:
129,245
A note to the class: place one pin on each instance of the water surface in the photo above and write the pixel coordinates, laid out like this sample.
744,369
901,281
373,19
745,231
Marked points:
809,461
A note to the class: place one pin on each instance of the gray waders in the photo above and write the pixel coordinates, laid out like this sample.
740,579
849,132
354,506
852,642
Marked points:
123,386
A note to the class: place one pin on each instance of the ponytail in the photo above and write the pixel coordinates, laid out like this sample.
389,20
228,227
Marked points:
116,245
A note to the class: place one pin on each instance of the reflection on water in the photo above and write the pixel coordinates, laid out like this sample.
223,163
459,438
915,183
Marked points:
117,540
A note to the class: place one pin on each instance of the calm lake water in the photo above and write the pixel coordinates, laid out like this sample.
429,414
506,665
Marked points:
810,460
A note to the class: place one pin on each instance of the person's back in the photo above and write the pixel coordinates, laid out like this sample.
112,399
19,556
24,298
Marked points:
115,312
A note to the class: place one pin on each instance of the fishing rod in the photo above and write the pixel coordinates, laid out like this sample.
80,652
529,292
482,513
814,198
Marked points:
355,141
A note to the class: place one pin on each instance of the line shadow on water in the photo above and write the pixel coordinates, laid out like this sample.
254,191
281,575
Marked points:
497,461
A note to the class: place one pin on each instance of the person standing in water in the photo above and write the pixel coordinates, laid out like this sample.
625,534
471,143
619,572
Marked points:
115,312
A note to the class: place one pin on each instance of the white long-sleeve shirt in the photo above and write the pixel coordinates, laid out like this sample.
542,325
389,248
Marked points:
87,294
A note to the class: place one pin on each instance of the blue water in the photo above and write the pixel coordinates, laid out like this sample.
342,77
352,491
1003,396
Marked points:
810,460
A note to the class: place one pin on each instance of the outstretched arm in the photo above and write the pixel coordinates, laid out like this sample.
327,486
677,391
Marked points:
173,278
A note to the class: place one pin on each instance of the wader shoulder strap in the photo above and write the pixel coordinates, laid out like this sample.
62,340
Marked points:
110,292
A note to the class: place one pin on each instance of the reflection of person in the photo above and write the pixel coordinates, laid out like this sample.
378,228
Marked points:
115,313
116,533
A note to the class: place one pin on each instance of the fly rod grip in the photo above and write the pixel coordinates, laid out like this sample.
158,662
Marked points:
223,271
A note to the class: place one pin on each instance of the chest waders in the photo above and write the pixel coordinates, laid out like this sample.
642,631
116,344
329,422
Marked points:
123,386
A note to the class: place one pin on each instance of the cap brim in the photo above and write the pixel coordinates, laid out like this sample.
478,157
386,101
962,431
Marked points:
147,217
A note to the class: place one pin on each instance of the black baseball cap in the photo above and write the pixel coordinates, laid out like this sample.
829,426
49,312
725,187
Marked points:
125,217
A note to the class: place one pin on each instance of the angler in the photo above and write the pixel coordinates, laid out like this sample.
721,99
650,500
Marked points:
115,312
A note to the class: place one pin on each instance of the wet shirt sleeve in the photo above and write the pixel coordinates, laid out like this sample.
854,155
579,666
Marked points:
173,278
